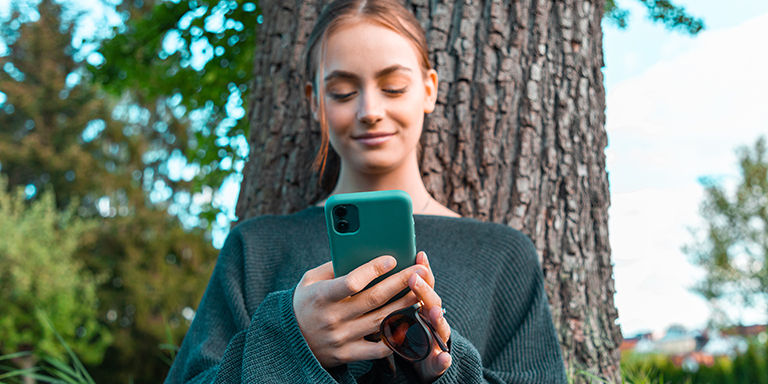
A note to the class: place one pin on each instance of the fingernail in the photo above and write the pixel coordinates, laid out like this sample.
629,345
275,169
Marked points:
419,280
389,262
426,260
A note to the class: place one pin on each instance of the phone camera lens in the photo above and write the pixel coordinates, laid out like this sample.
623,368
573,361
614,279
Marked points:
342,226
340,211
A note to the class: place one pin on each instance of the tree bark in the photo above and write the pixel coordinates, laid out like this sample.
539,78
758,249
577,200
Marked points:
517,138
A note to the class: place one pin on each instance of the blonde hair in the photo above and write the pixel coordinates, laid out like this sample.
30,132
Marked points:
389,13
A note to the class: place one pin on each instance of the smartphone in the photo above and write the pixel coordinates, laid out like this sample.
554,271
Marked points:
365,225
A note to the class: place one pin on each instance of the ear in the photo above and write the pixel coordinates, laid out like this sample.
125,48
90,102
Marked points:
311,99
430,91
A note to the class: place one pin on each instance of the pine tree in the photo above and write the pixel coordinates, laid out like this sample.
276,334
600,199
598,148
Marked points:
114,159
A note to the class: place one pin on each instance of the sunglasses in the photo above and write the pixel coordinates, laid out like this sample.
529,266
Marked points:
409,334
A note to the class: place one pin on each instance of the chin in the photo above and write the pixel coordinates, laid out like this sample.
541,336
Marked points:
376,164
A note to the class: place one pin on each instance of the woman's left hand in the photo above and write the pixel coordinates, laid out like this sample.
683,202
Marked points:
431,368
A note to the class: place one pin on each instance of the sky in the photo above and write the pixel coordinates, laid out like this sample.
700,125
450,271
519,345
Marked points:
677,108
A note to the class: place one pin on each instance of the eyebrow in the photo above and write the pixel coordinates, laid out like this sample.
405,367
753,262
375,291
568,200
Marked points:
339,74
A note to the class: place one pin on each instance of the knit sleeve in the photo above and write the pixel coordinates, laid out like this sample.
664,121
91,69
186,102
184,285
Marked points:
226,345
523,345
532,355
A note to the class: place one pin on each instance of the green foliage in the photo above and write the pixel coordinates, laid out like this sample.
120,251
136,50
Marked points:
749,367
615,14
52,369
168,346
650,369
41,275
660,11
672,16
199,54
734,248
12,373
106,159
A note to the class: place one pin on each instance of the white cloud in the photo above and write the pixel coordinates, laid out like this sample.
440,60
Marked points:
679,120
647,229
692,111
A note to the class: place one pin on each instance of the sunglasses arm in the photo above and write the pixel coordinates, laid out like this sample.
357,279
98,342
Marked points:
437,337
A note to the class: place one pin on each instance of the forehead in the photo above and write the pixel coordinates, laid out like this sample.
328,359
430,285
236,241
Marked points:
366,47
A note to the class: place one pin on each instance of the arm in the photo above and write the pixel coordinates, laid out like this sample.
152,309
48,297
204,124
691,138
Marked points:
226,345
530,355
522,345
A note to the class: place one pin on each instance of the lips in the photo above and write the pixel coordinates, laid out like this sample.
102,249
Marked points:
373,138
371,135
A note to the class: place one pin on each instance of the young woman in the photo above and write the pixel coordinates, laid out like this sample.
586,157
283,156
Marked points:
273,311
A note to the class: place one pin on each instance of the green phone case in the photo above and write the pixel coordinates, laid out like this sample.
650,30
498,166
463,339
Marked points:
385,228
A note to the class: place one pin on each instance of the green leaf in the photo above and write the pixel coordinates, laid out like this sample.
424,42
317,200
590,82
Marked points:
80,372
60,366
15,355
19,372
672,16
170,347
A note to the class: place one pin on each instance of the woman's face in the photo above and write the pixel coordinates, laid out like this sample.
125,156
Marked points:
375,96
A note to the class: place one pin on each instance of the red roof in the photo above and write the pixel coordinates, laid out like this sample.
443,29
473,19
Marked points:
742,330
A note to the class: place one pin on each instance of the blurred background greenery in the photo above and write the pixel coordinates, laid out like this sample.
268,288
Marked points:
111,155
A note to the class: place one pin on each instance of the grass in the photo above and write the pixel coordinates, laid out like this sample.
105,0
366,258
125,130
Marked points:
56,371
52,370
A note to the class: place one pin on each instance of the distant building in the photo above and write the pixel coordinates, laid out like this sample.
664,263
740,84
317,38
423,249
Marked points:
630,344
677,341
691,349
745,331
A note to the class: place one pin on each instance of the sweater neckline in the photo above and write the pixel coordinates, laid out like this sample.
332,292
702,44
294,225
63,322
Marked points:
313,209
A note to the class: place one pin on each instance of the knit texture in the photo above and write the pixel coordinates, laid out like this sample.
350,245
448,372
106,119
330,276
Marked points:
488,276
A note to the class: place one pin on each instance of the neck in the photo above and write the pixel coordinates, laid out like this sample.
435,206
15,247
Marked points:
405,177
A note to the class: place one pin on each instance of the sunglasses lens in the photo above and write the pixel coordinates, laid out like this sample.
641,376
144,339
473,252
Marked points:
406,336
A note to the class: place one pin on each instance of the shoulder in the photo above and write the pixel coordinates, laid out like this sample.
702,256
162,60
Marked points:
473,231
278,224
492,240
272,230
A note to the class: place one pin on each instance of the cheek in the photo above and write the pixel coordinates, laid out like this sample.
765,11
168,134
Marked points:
409,113
340,117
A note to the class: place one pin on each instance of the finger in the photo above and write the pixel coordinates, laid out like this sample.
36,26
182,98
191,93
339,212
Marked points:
437,319
321,272
359,278
433,366
424,292
439,364
422,259
361,349
382,292
371,322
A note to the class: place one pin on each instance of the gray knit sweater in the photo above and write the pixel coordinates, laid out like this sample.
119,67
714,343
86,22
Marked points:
487,275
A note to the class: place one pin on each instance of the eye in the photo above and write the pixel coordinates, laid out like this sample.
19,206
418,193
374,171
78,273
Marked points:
341,96
395,91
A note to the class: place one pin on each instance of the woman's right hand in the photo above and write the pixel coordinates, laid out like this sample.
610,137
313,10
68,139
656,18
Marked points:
334,322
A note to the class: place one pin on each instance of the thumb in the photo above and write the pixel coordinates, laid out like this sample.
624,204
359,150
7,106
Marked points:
322,272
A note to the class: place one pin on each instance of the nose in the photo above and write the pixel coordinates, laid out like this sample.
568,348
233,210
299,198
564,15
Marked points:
370,109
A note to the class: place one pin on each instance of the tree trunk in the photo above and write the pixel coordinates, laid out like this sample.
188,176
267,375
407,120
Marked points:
517,138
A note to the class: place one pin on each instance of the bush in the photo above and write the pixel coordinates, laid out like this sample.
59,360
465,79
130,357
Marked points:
41,278
750,367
